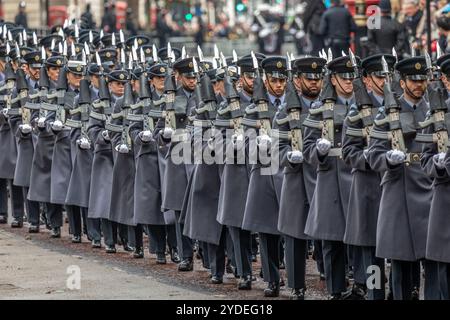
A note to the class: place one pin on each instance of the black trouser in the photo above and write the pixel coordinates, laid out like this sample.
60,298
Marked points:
216,255
369,259
296,251
74,216
53,213
203,247
136,236
356,254
3,198
254,244
157,238
404,279
230,249
185,246
282,249
171,233
318,255
109,229
16,195
269,245
32,208
93,225
334,263
242,243
444,279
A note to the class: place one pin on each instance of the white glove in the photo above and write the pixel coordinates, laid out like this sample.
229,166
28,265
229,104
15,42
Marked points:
41,122
25,128
122,148
238,141
395,157
57,125
323,146
295,156
105,135
211,143
167,133
84,143
5,112
264,142
439,160
145,136
365,153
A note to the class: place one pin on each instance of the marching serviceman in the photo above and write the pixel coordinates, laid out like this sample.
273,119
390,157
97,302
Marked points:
406,188
323,148
263,197
294,202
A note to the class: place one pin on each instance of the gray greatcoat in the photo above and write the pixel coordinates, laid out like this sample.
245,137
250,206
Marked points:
294,204
147,181
406,192
62,158
365,190
438,235
123,174
176,175
329,204
25,147
101,174
8,155
234,186
263,197
80,179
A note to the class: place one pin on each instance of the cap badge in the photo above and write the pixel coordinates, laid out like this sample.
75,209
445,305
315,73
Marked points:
122,76
78,68
58,62
162,70
191,65
36,58
314,65
349,64
279,64
148,50
418,66
140,41
108,54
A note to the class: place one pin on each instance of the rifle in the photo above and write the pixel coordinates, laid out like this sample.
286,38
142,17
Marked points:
395,134
170,91
364,104
328,97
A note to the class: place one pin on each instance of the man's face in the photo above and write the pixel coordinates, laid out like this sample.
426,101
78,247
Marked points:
32,72
308,87
117,88
158,83
95,80
53,73
188,83
416,87
344,87
275,86
74,79
247,83
219,88
376,84
135,85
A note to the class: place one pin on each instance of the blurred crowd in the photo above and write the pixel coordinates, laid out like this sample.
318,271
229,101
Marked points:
311,25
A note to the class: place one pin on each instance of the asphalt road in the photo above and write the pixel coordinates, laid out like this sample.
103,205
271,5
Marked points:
34,266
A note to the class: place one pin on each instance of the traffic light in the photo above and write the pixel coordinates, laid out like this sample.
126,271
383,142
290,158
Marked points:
241,6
